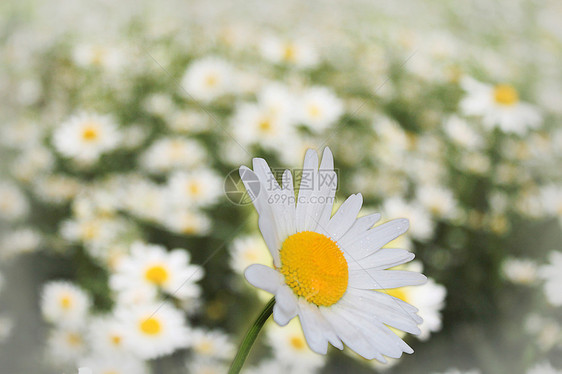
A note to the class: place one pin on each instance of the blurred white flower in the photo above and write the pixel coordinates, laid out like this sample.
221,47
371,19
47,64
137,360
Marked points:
6,328
65,304
166,154
462,133
203,366
292,52
551,200
66,345
107,336
187,222
438,200
13,203
319,108
207,79
19,241
151,265
247,250
552,275
422,225
291,350
104,364
153,330
211,344
104,56
499,107
520,271
198,187
84,137
544,368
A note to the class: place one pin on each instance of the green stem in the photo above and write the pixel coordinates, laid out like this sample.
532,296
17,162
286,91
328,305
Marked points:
250,338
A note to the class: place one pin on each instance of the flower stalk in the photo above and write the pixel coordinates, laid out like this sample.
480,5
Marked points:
250,338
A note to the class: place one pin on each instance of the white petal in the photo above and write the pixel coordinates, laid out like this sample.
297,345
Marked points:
369,279
264,277
360,226
382,259
267,228
383,299
374,239
309,317
310,168
285,307
345,216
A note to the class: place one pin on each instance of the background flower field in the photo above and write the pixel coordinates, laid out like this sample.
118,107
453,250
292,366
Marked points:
124,123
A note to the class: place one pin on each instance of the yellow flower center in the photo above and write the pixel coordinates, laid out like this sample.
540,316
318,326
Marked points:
265,125
66,302
289,52
211,80
205,347
194,188
505,94
156,274
297,342
314,111
116,340
74,340
90,133
314,267
150,326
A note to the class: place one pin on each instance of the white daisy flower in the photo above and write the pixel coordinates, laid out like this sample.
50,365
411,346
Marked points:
208,78
544,368
114,365
319,108
166,154
66,345
151,265
325,269
64,303
32,162
438,200
187,222
107,336
462,133
143,199
13,203
211,345
202,366
292,52
254,124
520,271
199,187
423,224
276,99
552,275
86,136
499,106
289,346
428,298
551,200
19,241
57,189
248,250
154,330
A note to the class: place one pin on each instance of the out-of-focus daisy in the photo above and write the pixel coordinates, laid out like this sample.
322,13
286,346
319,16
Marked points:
428,298
63,303
291,52
105,56
551,200
211,345
254,124
107,336
289,346
543,368
13,203
166,154
152,265
248,250
462,133
325,268
19,241
6,328
438,200
56,188
499,106
154,330
319,108
552,275
143,199
520,271
203,366
86,136
102,364
32,162
423,226
547,332
187,221
199,187
66,345
208,78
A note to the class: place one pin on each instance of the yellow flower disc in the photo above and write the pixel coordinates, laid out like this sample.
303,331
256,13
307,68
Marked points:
505,94
156,274
314,267
150,326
